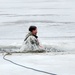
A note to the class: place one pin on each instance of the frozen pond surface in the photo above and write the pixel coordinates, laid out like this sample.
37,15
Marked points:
56,64
55,20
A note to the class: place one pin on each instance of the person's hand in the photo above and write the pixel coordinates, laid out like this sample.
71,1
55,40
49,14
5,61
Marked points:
41,46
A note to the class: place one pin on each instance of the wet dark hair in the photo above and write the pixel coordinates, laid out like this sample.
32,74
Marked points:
31,28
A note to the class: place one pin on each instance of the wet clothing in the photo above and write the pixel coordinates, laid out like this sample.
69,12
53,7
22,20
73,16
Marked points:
31,43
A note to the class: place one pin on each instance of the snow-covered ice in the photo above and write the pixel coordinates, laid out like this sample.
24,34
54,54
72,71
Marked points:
55,20
57,64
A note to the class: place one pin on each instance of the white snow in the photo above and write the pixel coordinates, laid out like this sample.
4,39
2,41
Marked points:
57,64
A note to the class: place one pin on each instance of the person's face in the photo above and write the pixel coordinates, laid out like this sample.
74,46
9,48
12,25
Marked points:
34,32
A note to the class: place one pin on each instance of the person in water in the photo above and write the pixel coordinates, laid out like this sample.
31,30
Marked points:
31,42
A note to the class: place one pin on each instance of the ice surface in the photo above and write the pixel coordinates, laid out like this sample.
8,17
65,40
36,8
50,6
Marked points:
55,20
57,64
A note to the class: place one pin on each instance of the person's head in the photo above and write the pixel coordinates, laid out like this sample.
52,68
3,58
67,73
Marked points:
33,30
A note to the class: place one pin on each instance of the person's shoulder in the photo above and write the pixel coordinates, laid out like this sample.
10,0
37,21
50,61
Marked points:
31,37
